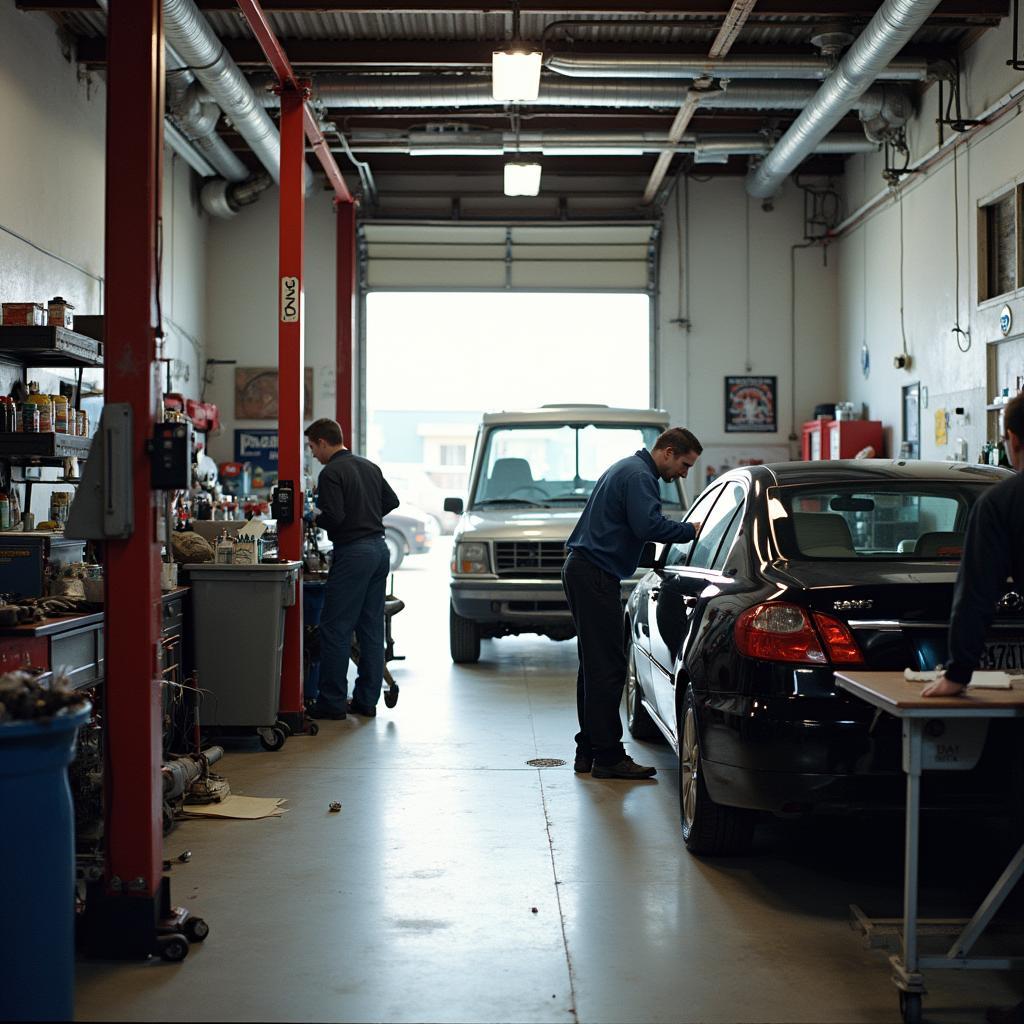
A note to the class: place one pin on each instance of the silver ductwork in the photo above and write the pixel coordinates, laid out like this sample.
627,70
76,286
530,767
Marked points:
470,143
886,34
383,92
197,119
578,65
190,34
224,199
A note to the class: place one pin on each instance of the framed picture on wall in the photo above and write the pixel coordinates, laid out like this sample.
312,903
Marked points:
750,405
256,393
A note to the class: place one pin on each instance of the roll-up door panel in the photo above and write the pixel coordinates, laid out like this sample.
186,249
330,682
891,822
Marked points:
524,256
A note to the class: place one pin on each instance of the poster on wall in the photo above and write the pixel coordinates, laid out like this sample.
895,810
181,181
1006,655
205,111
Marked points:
256,393
750,405
258,448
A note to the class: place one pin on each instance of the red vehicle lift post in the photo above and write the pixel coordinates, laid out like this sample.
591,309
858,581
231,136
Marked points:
128,913
298,122
345,312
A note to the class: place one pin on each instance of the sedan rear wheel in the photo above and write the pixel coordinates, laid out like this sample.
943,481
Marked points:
707,827
639,722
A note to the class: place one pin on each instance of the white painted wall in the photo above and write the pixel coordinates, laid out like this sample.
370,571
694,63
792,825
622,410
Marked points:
715,218
241,310
868,257
52,182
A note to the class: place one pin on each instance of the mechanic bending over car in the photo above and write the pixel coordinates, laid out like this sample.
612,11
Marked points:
993,551
623,513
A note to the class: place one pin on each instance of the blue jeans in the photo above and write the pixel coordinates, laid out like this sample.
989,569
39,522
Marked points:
354,602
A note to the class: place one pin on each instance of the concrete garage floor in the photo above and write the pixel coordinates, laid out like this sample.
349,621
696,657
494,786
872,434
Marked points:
460,884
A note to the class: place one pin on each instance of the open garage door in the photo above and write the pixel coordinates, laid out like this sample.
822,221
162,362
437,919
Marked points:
465,257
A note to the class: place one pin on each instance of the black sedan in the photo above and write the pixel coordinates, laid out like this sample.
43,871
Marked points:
799,569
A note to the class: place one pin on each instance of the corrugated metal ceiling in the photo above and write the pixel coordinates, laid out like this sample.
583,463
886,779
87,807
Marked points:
783,31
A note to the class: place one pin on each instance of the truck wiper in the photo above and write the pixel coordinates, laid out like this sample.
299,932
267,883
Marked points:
569,497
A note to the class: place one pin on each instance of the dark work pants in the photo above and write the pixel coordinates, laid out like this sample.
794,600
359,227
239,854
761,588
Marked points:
354,601
596,607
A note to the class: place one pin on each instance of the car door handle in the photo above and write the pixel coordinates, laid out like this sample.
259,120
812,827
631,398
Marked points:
690,602
645,629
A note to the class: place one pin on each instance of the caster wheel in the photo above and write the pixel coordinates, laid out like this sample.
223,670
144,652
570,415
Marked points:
284,727
172,948
272,739
196,929
313,729
910,1007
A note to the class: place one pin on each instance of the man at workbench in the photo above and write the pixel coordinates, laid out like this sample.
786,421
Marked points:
352,499
993,552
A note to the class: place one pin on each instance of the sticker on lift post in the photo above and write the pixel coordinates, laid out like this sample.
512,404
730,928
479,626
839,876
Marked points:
289,300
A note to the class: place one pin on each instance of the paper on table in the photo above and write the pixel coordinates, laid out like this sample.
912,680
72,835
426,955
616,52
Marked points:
248,807
980,680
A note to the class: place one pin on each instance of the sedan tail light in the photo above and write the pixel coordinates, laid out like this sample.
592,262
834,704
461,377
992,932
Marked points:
784,632
839,642
778,632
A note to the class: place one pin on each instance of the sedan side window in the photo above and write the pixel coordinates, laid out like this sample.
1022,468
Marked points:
678,553
715,527
727,541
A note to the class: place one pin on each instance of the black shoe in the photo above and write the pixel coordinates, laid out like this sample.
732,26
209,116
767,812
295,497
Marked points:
583,763
391,696
319,710
627,768
361,709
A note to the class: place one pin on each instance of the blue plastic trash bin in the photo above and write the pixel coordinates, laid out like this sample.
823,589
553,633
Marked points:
37,858
313,592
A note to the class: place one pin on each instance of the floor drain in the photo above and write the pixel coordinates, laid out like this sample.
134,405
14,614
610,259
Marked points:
545,762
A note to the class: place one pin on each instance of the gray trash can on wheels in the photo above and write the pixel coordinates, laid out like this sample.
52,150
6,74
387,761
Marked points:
239,639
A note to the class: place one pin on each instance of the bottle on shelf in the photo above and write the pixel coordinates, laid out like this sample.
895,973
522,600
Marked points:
43,404
60,414
5,510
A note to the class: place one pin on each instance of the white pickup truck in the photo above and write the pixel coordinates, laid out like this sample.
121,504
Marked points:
531,476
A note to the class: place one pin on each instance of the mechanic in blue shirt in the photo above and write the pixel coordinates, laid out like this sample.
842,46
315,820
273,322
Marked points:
623,513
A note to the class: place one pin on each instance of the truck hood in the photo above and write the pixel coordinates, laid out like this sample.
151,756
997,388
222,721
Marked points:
518,524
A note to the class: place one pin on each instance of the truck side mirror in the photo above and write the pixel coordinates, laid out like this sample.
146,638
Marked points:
453,505
647,556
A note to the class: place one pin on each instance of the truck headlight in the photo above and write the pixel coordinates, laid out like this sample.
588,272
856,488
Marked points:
471,558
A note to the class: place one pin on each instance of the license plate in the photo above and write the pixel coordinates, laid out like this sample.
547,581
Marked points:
1006,655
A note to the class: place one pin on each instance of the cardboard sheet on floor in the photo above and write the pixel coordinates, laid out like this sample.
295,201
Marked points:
235,806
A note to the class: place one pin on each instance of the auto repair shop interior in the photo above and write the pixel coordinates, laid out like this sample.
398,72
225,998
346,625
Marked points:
504,247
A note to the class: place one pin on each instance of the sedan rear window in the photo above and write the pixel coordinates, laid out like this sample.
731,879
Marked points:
915,522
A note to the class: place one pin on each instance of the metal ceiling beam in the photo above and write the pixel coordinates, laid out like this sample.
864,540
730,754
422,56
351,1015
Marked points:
956,9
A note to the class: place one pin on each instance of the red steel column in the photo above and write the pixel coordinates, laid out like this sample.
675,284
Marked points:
346,307
291,315
135,79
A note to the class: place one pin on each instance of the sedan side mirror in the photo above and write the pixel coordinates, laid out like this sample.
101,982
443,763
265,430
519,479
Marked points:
454,505
647,556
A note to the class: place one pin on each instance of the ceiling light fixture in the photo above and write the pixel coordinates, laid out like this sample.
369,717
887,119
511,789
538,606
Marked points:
522,179
515,75
515,70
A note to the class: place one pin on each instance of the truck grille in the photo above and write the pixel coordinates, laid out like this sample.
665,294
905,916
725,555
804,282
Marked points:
544,557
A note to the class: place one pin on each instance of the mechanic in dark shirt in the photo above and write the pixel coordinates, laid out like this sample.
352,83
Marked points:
993,552
623,513
352,499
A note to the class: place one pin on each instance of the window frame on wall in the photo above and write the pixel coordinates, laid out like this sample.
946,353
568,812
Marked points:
988,265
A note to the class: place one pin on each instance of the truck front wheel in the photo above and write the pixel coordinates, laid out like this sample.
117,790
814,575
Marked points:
464,639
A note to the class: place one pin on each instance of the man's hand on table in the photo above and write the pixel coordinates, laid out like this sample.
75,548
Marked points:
943,687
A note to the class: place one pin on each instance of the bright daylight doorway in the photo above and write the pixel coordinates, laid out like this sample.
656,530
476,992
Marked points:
436,361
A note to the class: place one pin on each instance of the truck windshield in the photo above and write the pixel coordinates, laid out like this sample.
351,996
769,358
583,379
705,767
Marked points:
558,464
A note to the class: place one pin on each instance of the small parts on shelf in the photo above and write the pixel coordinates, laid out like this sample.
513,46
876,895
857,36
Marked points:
29,610
23,314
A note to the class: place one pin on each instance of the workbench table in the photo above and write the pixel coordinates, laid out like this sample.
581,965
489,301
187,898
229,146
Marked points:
930,741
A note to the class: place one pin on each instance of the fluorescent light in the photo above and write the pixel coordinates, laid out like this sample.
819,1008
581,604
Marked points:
522,179
515,75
